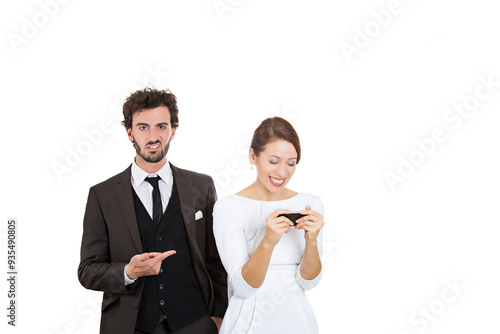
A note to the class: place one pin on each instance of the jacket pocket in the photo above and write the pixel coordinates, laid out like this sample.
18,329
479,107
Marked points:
107,300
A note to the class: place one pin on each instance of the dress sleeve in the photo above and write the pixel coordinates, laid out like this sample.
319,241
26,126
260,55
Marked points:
229,231
309,284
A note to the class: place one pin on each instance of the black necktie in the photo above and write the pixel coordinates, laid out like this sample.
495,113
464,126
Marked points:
157,210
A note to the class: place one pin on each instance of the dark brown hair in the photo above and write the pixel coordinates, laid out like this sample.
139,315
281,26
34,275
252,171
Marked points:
150,98
272,129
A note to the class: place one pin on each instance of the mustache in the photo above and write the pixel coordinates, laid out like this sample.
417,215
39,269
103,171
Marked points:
152,143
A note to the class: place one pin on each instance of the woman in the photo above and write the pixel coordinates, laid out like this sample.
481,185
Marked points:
269,261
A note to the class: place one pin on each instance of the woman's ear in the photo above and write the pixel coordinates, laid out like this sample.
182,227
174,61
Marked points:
251,156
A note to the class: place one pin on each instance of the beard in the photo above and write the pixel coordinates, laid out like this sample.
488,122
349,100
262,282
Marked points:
152,157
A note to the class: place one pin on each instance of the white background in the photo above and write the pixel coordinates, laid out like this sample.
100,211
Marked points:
388,252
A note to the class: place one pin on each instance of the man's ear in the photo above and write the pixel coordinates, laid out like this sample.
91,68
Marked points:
130,135
174,130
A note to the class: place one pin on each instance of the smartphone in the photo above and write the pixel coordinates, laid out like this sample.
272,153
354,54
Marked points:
292,216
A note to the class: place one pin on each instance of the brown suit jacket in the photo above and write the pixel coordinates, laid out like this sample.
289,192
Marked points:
111,237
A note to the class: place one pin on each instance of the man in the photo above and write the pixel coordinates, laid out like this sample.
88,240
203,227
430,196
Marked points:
147,239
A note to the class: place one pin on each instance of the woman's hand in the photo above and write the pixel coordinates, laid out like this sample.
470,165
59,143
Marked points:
255,269
311,224
276,226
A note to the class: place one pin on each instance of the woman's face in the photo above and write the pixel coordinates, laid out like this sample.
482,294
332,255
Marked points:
275,165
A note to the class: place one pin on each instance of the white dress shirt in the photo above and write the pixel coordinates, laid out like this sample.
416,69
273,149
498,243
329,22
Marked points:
144,191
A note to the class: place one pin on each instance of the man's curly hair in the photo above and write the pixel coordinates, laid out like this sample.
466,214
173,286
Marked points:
150,98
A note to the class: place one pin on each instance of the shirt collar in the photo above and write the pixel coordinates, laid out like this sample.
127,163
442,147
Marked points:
138,174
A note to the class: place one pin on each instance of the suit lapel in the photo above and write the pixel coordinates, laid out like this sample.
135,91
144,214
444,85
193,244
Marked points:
126,201
185,191
186,198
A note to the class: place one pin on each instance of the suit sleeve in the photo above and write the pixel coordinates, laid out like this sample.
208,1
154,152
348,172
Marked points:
213,262
96,271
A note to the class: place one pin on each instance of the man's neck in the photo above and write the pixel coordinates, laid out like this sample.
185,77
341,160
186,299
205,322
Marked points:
150,167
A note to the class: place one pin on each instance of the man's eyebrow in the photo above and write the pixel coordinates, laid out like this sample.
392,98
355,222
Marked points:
146,124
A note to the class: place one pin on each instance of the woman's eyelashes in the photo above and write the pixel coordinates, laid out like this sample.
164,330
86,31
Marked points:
275,163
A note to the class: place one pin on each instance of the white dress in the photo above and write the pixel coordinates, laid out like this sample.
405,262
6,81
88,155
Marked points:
279,305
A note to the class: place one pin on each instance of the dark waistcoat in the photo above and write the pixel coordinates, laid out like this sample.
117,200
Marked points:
173,294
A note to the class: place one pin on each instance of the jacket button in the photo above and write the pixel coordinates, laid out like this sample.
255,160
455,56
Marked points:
161,270
162,302
159,238
136,306
161,286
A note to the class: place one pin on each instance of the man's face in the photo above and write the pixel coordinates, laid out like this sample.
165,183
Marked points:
151,133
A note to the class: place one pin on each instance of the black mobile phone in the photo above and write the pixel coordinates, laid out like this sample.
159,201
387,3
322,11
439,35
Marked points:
292,216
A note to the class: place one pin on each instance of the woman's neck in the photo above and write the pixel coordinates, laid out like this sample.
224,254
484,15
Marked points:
265,195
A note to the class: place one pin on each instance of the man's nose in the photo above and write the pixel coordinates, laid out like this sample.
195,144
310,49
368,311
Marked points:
154,135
